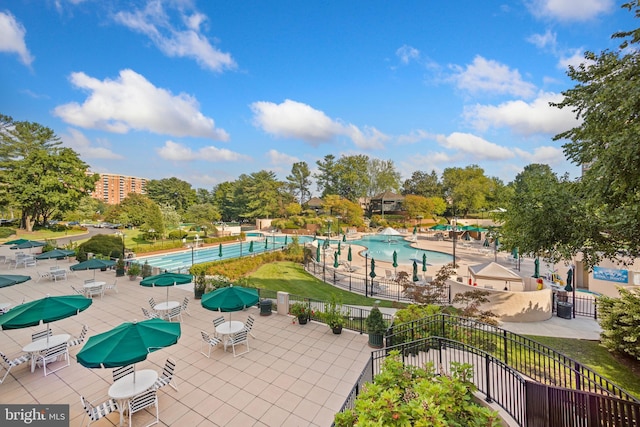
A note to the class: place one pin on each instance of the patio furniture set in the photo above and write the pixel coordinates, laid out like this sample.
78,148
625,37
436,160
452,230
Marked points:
167,310
229,333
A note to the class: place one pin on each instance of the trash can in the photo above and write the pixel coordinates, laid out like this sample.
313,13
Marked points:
564,310
265,307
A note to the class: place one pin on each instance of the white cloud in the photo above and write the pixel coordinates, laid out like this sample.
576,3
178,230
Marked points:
180,153
546,155
131,102
295,120
484,75
80,143
523,118
479,148
12,35
187,42
277,158
407,54
548,40
414,136
575,58
570,10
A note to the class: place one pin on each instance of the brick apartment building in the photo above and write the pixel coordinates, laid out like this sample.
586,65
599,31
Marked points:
112,188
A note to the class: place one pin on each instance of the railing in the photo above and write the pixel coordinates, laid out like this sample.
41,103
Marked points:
526,356
582,306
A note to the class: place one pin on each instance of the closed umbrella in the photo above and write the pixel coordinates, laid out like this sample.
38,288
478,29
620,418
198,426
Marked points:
128,343
10,280
339,249
349,257
166,280
93,264
266,243
424,262
285,239
335,260
251,246
569,286
318,253
344,237
372,274
56,253
486,243
229,299
536,268
415,230
220,250
514,253
395,262
415,271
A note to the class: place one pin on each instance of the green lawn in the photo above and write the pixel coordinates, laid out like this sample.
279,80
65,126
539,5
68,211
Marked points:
597,358
44,234
291,277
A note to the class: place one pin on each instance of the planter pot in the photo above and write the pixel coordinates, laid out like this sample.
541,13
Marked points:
302,320
376,340
132,278
197,293
119,272
103,269
337,330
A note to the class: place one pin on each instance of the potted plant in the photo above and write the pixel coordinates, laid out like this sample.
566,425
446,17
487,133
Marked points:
146,270
120,267
199,286
376,327
134,271
333,316
301,311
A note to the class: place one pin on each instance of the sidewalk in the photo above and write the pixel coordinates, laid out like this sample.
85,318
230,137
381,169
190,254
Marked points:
579,328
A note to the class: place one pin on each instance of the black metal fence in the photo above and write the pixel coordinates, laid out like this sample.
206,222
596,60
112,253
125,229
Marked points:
578,305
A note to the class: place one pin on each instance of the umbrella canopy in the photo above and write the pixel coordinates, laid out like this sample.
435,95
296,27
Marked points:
44,310
486,243
372,274
128,343
232,298
335,260
440,227
56,253
93,264
415,229
266,243
318,253
28,245
344,237
339,249
395,259
285,239
10,280
220,250
16,242
536,268
569,286
389,232
424,262
167,279
251,246
415,271
349,257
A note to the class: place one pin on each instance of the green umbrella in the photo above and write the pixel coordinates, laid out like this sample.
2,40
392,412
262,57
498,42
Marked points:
335,260
395,259
167,279
128,343
56,253
486,243
415,229
28,245
569,286
415,271
232,298
318,253
285,239
344,237
16,242
93,264
349,258
44,310
339,250
514,253
10,280
536,268
220,250
372,274
251,246
440,227
424,262
266,243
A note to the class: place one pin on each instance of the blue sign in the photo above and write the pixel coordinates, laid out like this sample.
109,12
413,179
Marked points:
611,275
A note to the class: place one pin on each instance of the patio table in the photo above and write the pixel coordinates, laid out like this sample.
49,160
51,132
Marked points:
130,386
37,346
229,329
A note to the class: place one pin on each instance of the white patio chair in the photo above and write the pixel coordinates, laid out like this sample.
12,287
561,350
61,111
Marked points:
149,315
389,274
152,303
40,334
210,341
54,354
87,281
217,322
98,411
249,325
238,339
97,290
112,286
78,291
80,338
42,275
174,312
58,275
185,303
122,372
9,364
142,401
166,378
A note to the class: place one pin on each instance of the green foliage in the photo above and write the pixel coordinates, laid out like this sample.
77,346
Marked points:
467,188
620,321
235,269
375,323
407,395
146,269
81,255
171,191
6,232
333,314
134,270
416,312
299,309
107,245
471,302
177,235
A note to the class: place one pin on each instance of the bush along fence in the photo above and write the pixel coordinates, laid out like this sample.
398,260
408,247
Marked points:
534,384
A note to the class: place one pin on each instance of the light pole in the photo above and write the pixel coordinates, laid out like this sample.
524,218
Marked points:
366,273
338,217
273,239
191,246
240,240
455,238
329,221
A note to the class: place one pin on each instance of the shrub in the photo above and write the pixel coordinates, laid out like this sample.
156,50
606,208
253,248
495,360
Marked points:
107,245
177,235
375,323
619,320
6,232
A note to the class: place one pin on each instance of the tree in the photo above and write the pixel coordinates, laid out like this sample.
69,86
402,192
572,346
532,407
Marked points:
353,177
423,206
299,181
170,217
423,184
203,215
606,102
171,191
619,320
327,177
262,195
37,175
466,189
225,201
383,176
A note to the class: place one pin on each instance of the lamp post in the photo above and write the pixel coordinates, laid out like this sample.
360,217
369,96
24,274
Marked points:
366,273
191,246
240,240
455,238
324,259
329,221
273,238
338,219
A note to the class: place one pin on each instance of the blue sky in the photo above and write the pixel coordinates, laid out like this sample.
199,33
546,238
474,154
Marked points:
205,91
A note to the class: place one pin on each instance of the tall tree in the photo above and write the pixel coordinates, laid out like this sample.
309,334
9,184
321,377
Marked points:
606,101
383,176
327,177
299,181
423,184
37,175
225,201
353,177
465,189
171,191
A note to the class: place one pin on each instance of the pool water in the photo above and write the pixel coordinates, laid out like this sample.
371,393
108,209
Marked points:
378,248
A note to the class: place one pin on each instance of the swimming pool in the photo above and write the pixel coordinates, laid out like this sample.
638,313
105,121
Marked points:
378,248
